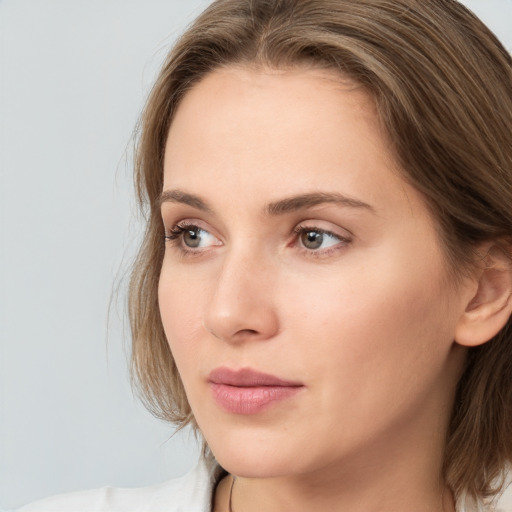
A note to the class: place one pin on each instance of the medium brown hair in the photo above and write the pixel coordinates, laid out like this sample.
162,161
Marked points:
442,84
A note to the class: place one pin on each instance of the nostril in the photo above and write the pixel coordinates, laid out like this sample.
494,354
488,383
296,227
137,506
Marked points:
245,332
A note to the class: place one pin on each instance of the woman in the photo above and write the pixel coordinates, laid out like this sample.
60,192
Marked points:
324,290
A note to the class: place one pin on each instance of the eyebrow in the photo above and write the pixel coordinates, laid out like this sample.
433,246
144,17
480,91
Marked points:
304,201
178,196
281,207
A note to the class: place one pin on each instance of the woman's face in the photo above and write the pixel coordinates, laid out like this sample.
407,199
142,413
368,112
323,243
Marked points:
303,291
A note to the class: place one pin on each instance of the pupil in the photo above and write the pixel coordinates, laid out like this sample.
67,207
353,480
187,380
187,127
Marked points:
312,239
192,238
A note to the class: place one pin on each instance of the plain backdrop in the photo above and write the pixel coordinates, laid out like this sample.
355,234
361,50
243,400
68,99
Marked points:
73,79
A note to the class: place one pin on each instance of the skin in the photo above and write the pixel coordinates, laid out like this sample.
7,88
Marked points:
365,322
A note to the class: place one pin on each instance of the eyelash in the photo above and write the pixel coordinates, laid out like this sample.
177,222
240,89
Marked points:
176,231
174,237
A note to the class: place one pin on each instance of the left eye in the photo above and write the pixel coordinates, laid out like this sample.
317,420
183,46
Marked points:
315,239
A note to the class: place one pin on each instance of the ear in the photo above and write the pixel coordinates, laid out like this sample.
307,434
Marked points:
491,306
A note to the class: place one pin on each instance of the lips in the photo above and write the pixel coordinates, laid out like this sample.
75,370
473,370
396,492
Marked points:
247,391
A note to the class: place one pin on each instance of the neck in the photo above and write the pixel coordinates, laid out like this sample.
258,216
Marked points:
247,495
402,476
277,495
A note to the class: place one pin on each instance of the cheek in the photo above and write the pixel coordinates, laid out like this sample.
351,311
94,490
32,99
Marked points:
378,322
181,313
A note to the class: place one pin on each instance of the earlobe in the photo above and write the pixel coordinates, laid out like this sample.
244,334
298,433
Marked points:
491,306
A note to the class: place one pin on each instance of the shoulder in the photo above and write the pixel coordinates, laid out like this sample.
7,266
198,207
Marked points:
190,493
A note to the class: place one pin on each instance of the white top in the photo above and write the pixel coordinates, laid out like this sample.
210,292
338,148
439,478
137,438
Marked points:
190,493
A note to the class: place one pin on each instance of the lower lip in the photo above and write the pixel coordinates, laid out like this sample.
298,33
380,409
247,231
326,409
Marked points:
250,400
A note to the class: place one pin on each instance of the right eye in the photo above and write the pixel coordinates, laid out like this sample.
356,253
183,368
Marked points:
191,236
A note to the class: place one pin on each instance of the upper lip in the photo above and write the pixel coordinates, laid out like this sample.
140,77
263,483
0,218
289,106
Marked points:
247,377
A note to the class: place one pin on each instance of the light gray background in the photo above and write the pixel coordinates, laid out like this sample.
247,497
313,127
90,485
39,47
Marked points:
73,78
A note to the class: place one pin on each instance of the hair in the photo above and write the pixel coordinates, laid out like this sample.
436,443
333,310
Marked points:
442,85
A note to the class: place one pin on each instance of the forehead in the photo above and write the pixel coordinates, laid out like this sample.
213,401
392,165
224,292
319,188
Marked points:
267,133
246,94
233,97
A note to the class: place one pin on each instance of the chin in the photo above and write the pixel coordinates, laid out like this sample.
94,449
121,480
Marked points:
250,456
255,467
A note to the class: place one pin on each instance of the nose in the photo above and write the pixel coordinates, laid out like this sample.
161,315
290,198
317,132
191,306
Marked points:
242,305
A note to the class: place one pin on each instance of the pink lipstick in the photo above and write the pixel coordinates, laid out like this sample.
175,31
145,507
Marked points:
247,391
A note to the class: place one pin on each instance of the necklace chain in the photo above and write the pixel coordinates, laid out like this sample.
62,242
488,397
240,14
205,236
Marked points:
230,505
